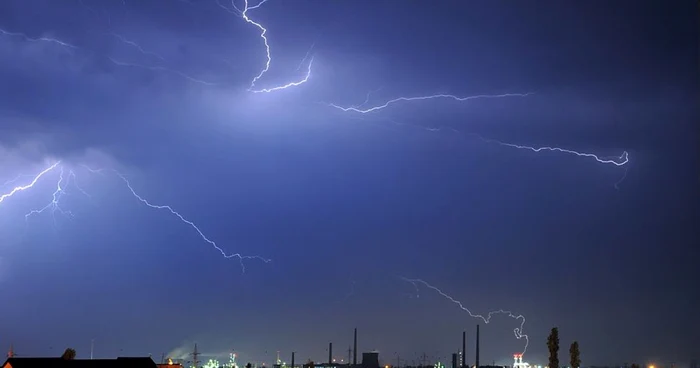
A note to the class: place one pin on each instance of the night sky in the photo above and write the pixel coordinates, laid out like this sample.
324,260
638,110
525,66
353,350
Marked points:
345,204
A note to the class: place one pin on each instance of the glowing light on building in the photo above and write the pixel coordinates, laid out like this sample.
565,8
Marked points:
518,363
231,361
212,363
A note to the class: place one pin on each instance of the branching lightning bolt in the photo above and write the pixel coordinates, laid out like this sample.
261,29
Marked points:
268,56
518,331
68,177
53,205
239,256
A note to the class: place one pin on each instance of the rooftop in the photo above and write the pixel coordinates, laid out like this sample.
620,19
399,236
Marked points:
121,362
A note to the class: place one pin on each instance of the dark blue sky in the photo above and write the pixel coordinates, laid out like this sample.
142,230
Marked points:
346,203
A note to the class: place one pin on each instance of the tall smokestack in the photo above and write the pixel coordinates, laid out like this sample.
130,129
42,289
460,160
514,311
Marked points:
330,353
477,346
354,349
464,348
292,359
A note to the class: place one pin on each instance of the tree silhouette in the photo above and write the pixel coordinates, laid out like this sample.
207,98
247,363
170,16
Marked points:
574,355
248,365
553,346
69,354
634,365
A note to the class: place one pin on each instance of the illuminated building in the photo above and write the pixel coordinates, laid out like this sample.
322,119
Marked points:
169,364
518,363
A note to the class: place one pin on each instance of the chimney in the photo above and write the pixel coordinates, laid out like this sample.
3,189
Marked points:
330,353
464,348
292,359
354,349
477,346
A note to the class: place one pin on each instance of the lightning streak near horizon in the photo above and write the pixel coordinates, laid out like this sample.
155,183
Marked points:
518,331
68,177
268,55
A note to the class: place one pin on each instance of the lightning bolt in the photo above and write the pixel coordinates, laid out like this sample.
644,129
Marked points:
175,213
621,160
53,205
422,98
39,39
518,331
136,46
290,84
163,69
115,62
308,53
64,180
624,176
31,184
68,177
350,293
157,68
263,32
268,56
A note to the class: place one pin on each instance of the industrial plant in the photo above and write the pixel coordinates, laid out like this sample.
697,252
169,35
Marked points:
370,359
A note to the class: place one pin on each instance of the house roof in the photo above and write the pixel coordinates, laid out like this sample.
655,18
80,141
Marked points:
121,362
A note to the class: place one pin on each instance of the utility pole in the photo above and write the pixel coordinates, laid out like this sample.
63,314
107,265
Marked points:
349,354
398,360
195,357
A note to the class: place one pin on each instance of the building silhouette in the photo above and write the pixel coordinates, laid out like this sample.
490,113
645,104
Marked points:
121,362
